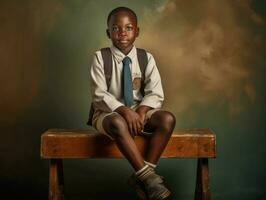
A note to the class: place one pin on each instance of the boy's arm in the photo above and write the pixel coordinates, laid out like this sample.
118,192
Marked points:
102,99
154,95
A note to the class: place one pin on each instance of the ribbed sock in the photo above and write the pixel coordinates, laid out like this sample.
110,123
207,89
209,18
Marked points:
147,176
145,172
153,166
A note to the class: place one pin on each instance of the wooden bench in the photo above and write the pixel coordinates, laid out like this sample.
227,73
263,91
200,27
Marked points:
58,144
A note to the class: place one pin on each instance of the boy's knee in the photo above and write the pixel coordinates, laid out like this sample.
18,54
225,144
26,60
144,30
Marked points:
166,120
115,125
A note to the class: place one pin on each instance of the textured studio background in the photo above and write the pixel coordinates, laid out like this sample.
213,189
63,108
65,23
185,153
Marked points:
211,56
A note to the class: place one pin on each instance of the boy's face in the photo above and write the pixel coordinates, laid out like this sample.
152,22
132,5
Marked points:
123,30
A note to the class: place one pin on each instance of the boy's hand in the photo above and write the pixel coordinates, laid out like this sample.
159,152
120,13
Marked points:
142,117
132,118
142,110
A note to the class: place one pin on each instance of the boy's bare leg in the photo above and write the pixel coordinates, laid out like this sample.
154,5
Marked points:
116,126
146,182
162,124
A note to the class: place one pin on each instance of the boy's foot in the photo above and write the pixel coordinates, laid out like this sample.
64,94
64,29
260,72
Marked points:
138,186
155,188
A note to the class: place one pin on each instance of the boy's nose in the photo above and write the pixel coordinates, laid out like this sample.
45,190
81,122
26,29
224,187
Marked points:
122,31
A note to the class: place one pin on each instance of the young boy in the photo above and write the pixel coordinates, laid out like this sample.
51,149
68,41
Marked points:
122,111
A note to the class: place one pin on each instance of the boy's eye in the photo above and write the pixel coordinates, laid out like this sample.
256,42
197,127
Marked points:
129,28
116,29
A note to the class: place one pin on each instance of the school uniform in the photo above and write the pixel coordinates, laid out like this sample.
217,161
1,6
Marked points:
105,101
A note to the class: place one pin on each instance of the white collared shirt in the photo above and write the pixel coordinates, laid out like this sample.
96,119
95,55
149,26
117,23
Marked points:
109,100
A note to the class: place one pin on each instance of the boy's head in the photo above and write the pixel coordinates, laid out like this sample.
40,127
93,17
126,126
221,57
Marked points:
122,28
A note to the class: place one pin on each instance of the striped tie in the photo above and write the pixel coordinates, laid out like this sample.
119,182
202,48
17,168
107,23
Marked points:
127,82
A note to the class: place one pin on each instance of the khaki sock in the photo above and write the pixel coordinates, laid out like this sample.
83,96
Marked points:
145,172
153,166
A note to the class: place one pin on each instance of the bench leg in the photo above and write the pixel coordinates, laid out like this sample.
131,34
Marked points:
202,191
56,180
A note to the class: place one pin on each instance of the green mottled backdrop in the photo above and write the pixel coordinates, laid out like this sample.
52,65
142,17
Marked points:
211,56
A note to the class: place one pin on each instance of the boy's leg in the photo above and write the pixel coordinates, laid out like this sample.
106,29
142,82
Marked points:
116,126
162,124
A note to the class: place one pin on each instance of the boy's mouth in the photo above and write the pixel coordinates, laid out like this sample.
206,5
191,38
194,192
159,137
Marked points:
123,41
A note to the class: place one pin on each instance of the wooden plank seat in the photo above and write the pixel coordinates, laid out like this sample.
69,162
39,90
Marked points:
58,144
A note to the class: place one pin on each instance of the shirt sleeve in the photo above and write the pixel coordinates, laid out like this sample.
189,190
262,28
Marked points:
154,95
101,98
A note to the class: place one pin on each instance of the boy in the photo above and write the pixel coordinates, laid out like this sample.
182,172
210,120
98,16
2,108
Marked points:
122,111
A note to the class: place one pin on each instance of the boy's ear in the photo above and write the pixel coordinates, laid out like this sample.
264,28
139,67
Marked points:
108,33
137,32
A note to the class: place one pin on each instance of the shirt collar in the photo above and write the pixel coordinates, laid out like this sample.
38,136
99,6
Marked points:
119,56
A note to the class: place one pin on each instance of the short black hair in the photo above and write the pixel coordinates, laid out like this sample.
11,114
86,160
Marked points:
119,9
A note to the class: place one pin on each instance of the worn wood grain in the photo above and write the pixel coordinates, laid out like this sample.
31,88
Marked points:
54,186
202,191
184,143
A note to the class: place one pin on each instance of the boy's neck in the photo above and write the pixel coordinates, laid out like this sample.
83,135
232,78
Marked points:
126,51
